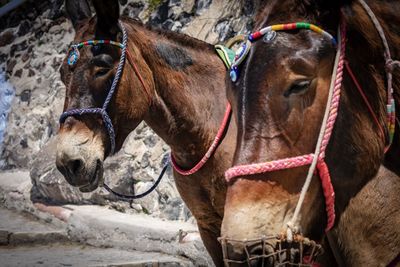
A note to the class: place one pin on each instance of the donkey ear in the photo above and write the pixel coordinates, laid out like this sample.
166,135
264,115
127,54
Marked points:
77,10
337,3
107,12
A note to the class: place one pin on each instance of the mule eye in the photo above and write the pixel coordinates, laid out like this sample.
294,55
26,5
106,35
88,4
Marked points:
297,87
101,72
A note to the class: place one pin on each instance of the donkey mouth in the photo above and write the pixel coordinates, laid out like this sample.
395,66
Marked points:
96,180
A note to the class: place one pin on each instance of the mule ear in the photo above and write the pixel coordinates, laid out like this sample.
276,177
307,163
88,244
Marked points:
336,3
107,12
77,10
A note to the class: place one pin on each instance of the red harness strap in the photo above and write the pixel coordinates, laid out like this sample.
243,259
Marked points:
218,139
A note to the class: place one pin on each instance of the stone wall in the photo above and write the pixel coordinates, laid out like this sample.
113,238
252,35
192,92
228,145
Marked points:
33,42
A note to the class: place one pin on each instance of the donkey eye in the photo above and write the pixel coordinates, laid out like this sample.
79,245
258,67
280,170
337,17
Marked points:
101,72
297,87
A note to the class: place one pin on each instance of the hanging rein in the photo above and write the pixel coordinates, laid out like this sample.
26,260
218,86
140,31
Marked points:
72,60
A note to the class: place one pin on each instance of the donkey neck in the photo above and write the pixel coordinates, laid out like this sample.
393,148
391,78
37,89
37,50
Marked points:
189,99
355,120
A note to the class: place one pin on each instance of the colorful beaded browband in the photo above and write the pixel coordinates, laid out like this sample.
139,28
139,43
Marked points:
270,33
291,26
74,54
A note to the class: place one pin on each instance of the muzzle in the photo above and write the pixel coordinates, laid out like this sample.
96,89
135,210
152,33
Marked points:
272,251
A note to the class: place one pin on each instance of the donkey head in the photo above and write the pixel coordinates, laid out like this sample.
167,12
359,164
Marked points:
279,101
84,140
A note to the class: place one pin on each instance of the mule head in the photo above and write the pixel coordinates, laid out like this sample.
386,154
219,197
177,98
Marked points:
279,102
83,140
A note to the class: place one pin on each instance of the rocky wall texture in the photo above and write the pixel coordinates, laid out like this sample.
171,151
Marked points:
33,42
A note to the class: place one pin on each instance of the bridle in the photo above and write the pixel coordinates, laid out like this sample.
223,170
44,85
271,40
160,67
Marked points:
72,60
316,160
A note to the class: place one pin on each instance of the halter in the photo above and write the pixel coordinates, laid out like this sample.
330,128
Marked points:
73,59
317,159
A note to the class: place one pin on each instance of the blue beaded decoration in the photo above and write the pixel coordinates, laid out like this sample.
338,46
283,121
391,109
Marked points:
240,56
234,74
73,57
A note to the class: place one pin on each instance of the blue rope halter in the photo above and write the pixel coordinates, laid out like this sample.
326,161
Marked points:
73,59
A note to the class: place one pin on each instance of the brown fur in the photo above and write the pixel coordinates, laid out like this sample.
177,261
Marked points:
272,126
368,229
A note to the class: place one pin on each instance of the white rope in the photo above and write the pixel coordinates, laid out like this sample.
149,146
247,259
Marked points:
291,224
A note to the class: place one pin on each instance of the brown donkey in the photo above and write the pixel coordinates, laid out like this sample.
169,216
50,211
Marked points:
279,96
177,89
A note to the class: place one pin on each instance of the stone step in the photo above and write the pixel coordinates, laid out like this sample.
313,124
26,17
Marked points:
22,229
78,255
102,227
99,226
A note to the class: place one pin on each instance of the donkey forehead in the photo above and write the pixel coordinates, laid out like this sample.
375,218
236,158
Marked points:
286,54
288,44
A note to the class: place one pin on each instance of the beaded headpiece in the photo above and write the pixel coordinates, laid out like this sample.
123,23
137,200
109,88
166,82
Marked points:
269,34
74,54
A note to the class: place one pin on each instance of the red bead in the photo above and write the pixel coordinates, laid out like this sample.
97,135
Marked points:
290,26
256,35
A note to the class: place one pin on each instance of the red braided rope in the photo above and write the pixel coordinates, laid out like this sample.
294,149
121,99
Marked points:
333,112
218,139
264,167
329,193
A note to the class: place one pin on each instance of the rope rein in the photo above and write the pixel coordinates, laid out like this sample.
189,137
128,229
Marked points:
148,191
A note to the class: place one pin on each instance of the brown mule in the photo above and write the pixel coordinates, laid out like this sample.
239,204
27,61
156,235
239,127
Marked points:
279,101
185,105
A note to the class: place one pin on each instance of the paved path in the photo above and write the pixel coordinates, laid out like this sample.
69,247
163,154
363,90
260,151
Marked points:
26,241
33,232
75,255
